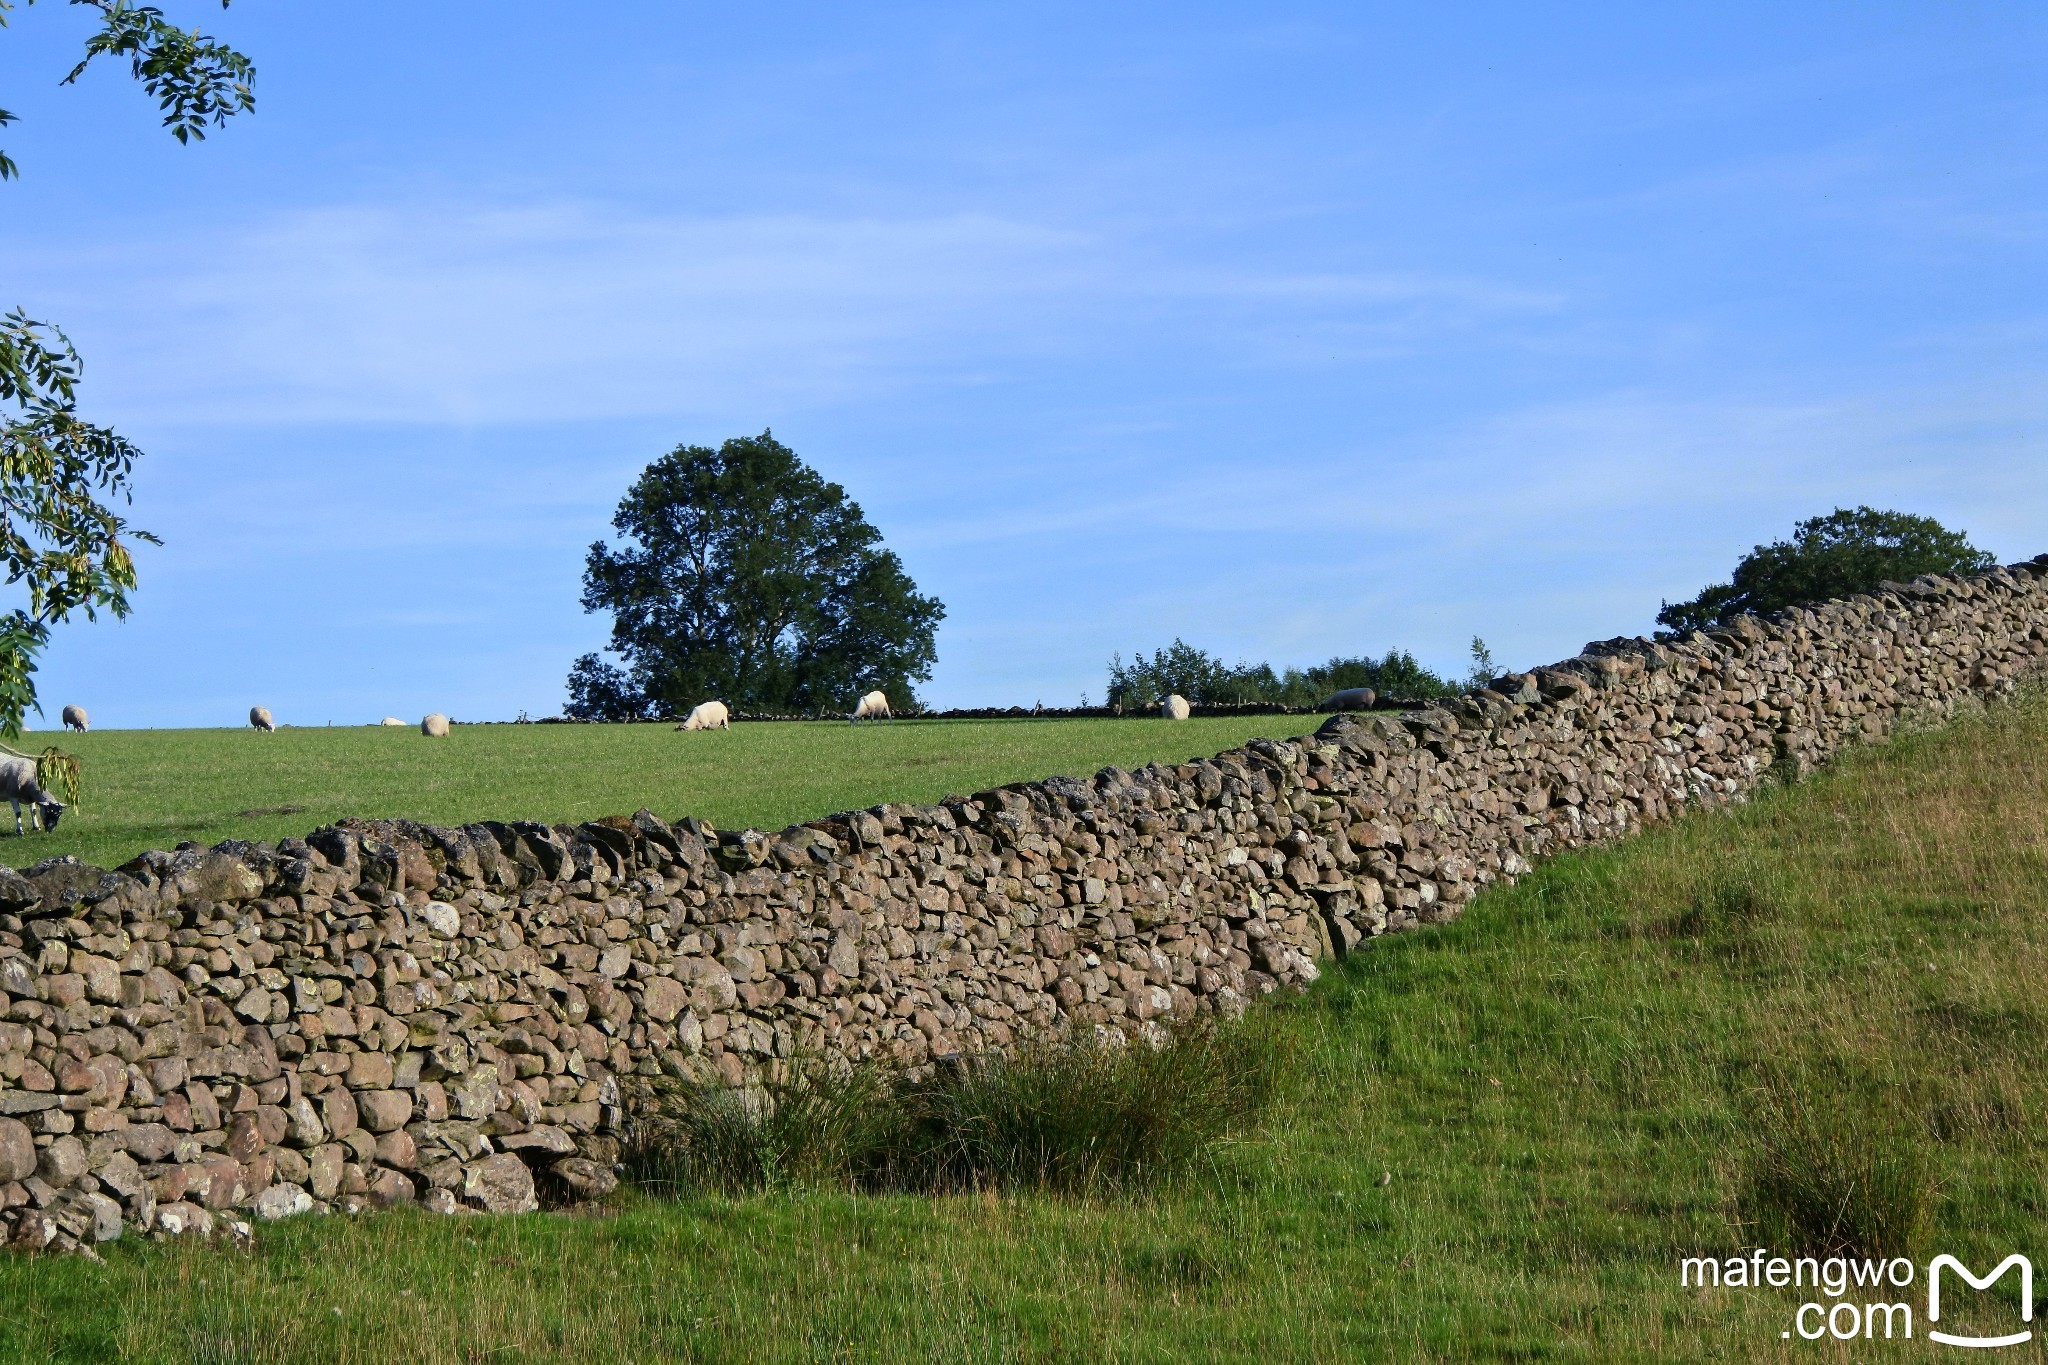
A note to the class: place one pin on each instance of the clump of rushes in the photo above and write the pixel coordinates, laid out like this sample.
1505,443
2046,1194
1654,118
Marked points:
1079,1115
820,1125
1084,1115
1835,1166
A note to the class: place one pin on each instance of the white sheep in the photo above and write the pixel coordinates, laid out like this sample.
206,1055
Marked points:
435,726
707,715
392,721
19,783
1174,707
1350,699
874,704
75,719
259,716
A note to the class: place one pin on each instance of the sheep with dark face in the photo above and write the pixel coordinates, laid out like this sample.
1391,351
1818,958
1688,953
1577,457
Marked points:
19,783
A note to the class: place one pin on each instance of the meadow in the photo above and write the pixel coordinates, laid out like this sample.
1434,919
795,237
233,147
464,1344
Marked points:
146,789
1501,1137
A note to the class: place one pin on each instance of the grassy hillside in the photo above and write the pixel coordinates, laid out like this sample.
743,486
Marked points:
1506,1134
152,788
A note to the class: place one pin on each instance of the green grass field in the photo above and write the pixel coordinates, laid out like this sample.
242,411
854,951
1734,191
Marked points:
1567,1090
152,788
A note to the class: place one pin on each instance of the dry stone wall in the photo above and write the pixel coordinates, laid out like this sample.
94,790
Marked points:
1151,711
387,1013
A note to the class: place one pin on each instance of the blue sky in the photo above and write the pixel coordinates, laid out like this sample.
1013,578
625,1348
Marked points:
1291,330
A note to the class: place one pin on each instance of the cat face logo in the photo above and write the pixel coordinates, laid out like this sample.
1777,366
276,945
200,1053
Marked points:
1934,1299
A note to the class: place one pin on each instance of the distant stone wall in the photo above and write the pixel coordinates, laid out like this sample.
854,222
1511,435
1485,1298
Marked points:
384,1013
1150,712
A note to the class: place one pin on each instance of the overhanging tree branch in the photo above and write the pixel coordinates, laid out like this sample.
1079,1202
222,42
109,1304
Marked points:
60,544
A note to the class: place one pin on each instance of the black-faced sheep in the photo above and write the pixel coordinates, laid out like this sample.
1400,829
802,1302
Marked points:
19,783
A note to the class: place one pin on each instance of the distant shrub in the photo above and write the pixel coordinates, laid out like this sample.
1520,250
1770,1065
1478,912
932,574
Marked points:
1850,550
1205,678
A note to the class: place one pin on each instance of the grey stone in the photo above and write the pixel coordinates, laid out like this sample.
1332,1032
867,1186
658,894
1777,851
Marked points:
182,1220
18,1158
475,1095
281,1201
543,1137
389,1188
219,877
62,1163
122,1177
664,999
582,1179
16,891
304,1128
106,1217
500,1184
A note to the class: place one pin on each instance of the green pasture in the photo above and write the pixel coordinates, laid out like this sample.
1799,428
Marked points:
1503,1136
152,788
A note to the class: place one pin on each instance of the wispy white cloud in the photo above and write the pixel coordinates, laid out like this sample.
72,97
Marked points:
1540,526
481,314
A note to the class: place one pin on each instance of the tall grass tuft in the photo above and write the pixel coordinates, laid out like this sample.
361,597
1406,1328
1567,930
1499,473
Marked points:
1837,1167
1075,1115
822,1124
1087,1115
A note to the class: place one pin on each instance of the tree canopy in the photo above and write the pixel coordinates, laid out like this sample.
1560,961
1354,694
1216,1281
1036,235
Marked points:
1206,679
1845,552
59,541
745,577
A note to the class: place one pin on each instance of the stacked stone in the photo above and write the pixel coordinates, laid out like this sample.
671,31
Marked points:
1244,708
388,1013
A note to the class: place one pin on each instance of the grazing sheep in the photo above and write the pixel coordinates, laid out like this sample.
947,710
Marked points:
75,719
259,716
1174,707
1350,699
435,726
707,715
391,720
872,705
19,783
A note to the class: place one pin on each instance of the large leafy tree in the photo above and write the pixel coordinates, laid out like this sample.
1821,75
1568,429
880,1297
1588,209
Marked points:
1850,550
743,576
61,543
